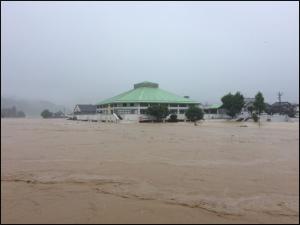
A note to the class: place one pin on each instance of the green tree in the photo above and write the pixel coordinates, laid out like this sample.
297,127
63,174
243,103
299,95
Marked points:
158,111
194,113
46,114
233,103
250,108
255,117
259,103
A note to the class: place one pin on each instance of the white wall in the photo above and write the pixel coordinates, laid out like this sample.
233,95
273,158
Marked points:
216,116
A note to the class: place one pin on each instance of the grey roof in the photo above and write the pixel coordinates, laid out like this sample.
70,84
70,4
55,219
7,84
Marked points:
281,104
87,108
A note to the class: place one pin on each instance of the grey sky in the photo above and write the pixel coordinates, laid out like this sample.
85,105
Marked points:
80,52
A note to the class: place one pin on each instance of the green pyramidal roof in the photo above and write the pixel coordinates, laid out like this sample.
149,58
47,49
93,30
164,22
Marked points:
147,92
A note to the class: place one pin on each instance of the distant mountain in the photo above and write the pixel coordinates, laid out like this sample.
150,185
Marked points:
32,108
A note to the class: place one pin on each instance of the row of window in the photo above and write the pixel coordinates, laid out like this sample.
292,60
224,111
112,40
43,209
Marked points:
172,111
141,104
126,111
118,105
142,111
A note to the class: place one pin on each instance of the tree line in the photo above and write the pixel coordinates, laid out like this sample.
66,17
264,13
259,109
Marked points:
48,114
12,113
232,103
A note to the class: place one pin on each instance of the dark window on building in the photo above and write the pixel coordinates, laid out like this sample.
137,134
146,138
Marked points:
144,104
163,104
124,104
126,111
182,111
182,105
143,111
131,104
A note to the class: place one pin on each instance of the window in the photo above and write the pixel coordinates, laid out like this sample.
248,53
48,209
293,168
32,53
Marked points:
143,111
124,104
144,104
173,105
131,104
124,111
181,111
173,111
182,105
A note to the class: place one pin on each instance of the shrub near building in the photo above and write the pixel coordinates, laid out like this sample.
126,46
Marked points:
194,113
158,111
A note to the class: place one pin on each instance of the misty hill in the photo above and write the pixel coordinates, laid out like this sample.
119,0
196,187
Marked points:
32,108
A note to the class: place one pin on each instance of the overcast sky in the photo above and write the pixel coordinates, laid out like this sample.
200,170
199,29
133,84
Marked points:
84,52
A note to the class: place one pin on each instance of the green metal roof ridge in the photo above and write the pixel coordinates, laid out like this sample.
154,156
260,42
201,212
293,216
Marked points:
213,106
147,94
108,100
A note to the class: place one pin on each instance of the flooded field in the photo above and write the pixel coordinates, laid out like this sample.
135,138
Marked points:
60,171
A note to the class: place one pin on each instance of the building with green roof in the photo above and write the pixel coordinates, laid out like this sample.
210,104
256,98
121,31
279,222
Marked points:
132,104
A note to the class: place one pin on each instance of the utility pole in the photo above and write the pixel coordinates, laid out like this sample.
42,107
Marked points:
279,97
279,100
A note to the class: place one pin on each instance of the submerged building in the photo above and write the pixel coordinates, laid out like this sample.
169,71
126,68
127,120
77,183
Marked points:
132,105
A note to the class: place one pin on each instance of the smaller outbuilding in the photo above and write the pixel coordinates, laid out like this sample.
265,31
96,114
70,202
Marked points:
82,109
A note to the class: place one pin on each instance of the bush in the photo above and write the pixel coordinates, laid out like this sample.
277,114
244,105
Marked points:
194,113
46,114
158,111
255,117
173,118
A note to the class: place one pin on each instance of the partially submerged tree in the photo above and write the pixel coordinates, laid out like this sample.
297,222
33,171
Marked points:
255,117
158,111
46,114
173,118
233,103
259,103
194,114
250,109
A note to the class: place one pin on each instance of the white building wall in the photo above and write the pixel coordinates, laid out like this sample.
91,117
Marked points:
138,116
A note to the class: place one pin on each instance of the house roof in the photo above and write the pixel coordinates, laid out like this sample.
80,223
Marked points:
214,106
281,104
87,108
147,92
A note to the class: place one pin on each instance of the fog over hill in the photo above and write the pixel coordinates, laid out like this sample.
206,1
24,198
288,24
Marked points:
32,108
